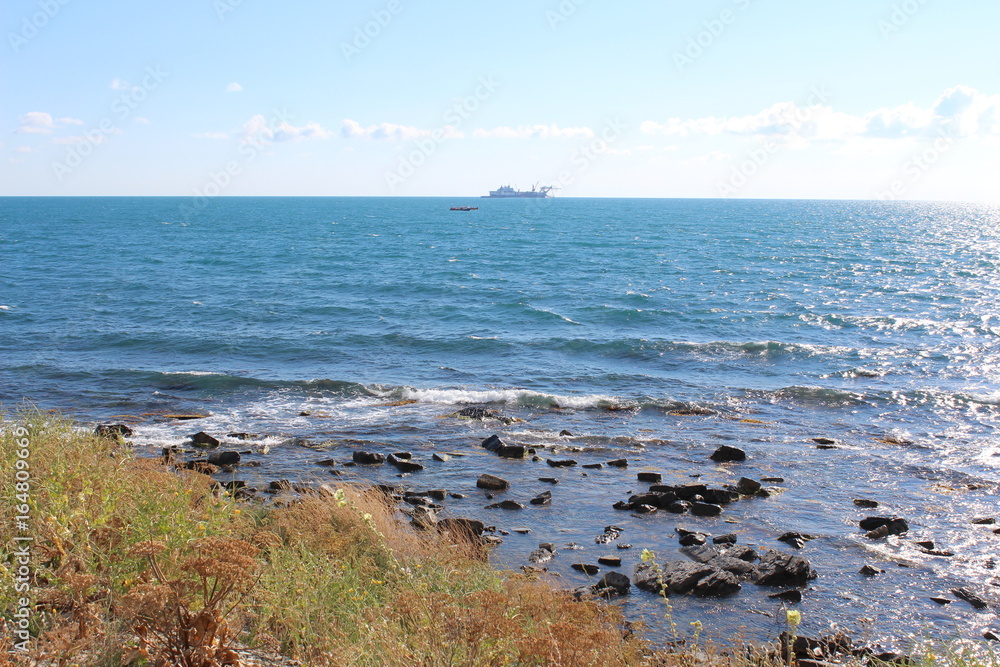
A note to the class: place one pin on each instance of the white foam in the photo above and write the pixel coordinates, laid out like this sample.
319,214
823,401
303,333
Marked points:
506,396
6,307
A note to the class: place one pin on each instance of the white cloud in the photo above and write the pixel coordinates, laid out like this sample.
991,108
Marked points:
351,129
234,88
212,135
535,132
960,111
120,84
258,130
40,122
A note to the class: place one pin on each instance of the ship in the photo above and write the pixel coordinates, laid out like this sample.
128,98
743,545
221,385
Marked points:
507,192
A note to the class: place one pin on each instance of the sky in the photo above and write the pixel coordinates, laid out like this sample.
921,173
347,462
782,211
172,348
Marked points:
855,99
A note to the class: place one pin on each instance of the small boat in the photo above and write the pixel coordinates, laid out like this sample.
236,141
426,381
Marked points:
464,208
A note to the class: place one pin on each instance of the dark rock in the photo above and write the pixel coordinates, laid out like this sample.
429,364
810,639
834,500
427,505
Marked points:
773,480
742,552
941,601
586,568
592,466
701,553
787,596
544,498
440,457
992,636
327,462
280,485
403,465
506,505
521,531
660,500
685,577
497,446
925,544
645,509
747,486
405,456
740,568
202,439
678,507
879,527
487,481
984,521
705,509
116,431
781,569
480,413
624,545
548,480
653,477
689,491
827,447
202,466
970,597
725,454
238,435
368,458
622,505
540,556
691,537
610,561
618,463
565,434
865,504
224,458
612,584
824,441
728,538
561,463
797,540
610,534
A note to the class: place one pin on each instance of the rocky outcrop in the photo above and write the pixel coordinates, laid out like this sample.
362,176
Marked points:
500,448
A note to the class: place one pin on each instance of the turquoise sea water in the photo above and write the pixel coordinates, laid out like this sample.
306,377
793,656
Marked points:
873,324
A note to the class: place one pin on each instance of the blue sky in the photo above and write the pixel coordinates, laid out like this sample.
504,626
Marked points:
856,99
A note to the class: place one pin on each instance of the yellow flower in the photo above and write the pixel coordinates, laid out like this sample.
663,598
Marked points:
647,555
793,617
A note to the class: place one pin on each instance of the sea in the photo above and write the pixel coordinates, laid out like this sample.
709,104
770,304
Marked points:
654,330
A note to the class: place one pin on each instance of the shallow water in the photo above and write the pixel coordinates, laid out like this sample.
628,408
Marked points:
857,321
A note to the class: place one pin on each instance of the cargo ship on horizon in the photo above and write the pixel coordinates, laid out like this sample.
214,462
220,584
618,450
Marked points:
507,192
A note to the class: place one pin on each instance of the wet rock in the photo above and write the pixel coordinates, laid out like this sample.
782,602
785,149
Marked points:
742,552
865,503
618,463
506,505
586,568
521,531
655,499
780,569
797,540
565,434
500,448
824,441
464,529
728,538
690,491
610,561
405,456
992,636
480,413
941,601
624,545
679,577
201,466
544,498
622,505
548,480
984,521
645,509
773,480
492,482
561,463
440,457
727,454
612,584
970,597
678,507
827,447
610,534
224,458
368,458
403,465
787,596
700,552
691,537
747,486
239,435
115,431
202,439
705,509
540,556
326,462
279,485
593,466
653,477
879,527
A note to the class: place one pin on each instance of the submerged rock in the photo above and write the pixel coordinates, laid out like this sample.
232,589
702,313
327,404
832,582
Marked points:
561,463
368,458
480,413
506,505
492,482
544,498
727,454
500,448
